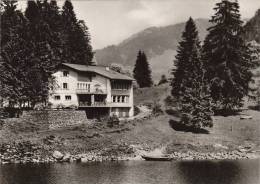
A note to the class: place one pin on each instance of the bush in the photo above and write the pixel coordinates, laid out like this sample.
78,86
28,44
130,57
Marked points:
156,109
136,110
60,106
169,101
177,125
197,120
116,67
11,112
163,80
112,121
1,124
39,106
149,105
72,107
173,112
3,113
49,105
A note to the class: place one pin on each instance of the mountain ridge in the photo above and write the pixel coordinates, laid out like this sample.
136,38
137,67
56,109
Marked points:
159,44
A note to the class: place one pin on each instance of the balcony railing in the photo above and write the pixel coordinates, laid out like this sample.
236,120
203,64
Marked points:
88,87
83,87
95,104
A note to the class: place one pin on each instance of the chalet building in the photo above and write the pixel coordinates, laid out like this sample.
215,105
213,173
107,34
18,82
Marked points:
98,90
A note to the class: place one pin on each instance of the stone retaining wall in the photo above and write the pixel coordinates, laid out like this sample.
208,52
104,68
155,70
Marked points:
55,118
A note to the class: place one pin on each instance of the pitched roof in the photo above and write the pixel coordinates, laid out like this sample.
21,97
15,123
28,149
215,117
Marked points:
101,70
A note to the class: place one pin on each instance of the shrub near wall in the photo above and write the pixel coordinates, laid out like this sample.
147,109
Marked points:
50,119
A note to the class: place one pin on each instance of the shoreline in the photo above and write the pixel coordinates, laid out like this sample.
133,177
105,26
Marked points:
12,157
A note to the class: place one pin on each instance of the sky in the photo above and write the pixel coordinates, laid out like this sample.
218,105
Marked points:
112,21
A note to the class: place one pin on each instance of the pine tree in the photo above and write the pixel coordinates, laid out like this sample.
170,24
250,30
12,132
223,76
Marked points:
77,39
227,58
142,72
188,84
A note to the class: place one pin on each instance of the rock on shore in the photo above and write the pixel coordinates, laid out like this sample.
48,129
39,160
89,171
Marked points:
57,155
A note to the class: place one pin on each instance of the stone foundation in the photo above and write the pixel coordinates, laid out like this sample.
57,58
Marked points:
55,118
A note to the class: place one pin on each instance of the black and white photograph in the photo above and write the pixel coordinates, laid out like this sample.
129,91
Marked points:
130,92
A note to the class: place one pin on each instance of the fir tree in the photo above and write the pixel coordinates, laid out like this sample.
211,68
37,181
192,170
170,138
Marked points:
32,11
189,86
137,72
45,55
11,18
227,58
142,72
13,54
183,58
195,101
77,39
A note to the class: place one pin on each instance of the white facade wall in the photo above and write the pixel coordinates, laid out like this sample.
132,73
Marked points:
131,101
71,80
119,108
108,85
98,81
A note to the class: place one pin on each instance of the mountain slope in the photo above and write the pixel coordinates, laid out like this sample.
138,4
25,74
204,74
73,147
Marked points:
159,44
252,28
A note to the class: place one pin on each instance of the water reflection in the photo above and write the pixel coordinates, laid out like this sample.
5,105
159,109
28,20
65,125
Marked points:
219,172
25,174
134,172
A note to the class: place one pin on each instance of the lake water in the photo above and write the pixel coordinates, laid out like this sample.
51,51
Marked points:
134,172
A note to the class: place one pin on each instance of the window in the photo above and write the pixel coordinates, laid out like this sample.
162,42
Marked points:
67,97
57,97
65,85
84,77
65,73
120,85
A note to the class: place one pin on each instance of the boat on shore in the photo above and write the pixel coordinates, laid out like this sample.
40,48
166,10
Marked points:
157,158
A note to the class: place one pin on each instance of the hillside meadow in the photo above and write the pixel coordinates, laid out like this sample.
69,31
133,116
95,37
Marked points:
146,133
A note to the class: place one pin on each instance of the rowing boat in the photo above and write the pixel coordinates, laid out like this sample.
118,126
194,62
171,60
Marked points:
157,158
